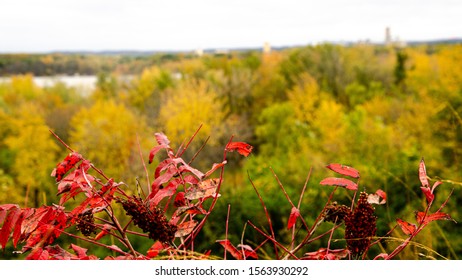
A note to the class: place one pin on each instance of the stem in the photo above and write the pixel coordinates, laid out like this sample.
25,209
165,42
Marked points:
96,243
226,227
268,218
315,224
189,142
62,142
272,239
198,151
144,164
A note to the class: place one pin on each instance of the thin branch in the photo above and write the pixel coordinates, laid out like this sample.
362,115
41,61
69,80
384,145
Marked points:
226,227
272,239
189,142
62,142
268,218
198,151
144,164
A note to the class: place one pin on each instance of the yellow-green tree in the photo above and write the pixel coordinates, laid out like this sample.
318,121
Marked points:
106,134
189,106
34,153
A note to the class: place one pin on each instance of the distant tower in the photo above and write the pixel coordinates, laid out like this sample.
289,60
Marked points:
199,52
388,40
266,48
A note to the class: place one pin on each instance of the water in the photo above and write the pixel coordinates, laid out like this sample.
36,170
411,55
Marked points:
83,84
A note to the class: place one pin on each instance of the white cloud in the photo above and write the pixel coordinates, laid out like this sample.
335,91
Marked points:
31,25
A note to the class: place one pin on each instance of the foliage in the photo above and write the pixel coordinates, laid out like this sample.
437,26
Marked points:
301,108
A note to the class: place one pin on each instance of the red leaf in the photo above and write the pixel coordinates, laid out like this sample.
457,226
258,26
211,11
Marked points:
179,200
106,229
97,202
192,209
214,167
45,226
231,249
185,228
168,191
17,230
81,252
194,171
203,189
325,254
341,182
421,218
162,139
344,170
155,249
407,228
423,174
294,214
162,179
436,184
76,182
38,254
248,251
67,164
58,253
428,194
155,150
8,225
380,197
241,147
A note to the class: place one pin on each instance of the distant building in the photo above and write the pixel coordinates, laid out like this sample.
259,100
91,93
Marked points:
266,48
199,52
397,42
388,40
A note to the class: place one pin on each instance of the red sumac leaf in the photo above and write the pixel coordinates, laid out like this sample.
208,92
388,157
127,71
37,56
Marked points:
179,201
241,147
422,218
8,225
18,228
379,197
106,229
155,150
155,249
214,167
428,194
164,178
67,164
167,191
324,254
187,168
38,254
341,182
248,251
229,247
162,139
185,228
423,174
344,170
203,189
4,210
407,228
294,214
436,184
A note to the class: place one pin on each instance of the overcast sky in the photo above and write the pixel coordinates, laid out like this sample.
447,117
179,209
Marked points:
96,25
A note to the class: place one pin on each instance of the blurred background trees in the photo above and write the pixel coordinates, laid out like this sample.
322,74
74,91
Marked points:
379,109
